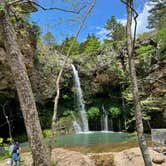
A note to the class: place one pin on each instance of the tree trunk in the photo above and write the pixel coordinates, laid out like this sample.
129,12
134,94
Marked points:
135,91
25,94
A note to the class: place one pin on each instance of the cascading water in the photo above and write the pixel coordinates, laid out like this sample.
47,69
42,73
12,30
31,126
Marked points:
80,102
104,120
77,127
111,125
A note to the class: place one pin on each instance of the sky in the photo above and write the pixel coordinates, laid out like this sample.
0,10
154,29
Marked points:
63,25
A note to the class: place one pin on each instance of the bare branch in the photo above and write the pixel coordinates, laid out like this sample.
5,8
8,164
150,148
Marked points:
57,8
33,3
60,75
7,119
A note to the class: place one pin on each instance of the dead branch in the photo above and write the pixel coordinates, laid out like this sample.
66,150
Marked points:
53,125
33,3
57,8
7,119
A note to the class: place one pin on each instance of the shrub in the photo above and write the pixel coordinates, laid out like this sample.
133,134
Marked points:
93,113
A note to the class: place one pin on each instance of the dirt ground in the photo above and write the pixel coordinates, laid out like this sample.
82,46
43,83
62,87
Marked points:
132,157
128,157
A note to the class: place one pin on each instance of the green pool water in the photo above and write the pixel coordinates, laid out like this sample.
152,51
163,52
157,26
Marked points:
90,138
95,142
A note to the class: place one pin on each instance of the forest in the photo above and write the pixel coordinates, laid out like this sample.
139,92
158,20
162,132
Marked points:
94,96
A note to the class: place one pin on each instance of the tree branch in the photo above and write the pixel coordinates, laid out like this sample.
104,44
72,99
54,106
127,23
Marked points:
33,3
14,2
7,119
57,8
53,125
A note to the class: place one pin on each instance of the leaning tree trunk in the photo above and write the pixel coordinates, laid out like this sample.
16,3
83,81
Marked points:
25,94
135,91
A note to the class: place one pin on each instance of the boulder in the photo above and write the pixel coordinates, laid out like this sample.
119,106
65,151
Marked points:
158,159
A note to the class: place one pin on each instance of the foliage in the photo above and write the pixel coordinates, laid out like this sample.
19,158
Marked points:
144,50
9,139
157,13
69,114
36,30
145,56
127,95
49,39
150,104
66,44
93,113
47,65
90,44
46,133
1,8
21,138
114,111
45,118
1,141
161,35
143,36
116,29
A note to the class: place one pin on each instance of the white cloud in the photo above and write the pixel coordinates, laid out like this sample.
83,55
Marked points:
142,19
102,33
142,23
122,21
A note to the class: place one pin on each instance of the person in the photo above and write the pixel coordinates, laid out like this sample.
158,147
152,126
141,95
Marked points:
11,146
15,154
10,150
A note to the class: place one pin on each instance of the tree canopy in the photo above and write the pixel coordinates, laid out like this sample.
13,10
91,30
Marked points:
157,13
115,28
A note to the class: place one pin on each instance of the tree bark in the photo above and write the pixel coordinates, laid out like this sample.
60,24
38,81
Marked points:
25,94
135,91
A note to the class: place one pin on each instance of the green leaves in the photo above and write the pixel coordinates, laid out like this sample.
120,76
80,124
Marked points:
91,44
157,13
1,8
1,141
117,30
66,45
114,111
161,35
93,113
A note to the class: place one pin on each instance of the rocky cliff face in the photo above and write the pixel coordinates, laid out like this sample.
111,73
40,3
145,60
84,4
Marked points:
100,72
27,43
43,75
42,64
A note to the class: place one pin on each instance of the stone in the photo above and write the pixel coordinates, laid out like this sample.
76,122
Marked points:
158,159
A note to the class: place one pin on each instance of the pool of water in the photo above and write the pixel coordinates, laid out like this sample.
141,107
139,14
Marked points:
90,138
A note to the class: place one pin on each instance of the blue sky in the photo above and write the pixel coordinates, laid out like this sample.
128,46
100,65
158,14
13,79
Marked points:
62,25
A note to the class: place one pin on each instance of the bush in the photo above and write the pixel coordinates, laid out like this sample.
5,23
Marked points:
46,133
93,113
114,111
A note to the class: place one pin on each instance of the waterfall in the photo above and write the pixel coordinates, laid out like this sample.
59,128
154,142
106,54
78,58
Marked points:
104,120
77,127
80,101
119,125
111,124
106,123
